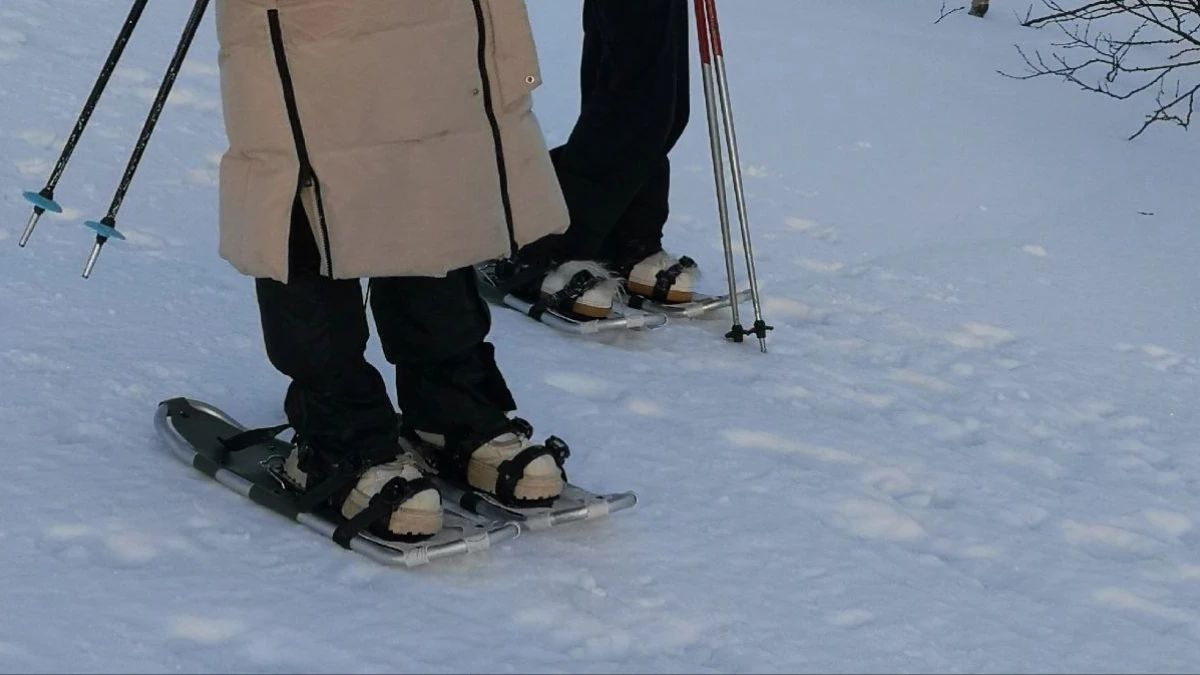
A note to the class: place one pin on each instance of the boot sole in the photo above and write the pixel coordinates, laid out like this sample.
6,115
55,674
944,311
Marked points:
588,311
483,477
648,292
415,523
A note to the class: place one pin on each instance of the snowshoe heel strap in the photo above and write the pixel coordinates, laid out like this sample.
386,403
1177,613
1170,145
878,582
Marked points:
511,470
247,439
564,299
382,505
665,279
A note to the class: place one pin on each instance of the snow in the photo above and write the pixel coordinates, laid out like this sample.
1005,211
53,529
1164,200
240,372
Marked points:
970,448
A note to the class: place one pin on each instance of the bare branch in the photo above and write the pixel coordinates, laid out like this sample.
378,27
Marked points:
1154,48
946,13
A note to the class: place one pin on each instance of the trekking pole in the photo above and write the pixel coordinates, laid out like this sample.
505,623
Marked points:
107,227
711,41
714,141
43,201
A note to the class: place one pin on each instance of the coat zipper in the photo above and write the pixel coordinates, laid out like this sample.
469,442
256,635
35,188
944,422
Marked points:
308,177
489,108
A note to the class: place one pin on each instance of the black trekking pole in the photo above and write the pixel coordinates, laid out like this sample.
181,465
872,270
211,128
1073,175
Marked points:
43,201
712,57
106,228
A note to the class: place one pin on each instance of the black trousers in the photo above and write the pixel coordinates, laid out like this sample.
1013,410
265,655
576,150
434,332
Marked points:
432,330
613,168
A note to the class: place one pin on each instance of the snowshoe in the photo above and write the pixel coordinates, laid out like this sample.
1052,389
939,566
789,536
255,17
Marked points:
255,463
555,309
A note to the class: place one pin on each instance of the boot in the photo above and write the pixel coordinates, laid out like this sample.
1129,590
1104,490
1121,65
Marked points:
581,288
508,465
662,277
418,515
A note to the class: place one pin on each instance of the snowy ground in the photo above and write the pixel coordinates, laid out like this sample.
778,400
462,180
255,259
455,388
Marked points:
970,448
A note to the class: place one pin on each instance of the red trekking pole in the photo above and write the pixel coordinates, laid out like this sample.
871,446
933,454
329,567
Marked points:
716,93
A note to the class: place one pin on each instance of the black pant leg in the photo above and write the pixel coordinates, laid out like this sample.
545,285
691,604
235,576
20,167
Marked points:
434,330
630,118
639,231
315,332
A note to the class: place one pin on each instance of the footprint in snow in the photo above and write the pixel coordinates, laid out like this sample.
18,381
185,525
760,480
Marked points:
131,74
895,484
583,386
41,139
205,630
1170,523
1107,540
768,442
980,336
208,175
876,520
112,547
183,97
822,266
11,42
35,166
1164,360
850,618
197,68
813,229
1159,615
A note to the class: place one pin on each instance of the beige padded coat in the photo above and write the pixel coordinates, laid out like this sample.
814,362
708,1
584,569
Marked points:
407,125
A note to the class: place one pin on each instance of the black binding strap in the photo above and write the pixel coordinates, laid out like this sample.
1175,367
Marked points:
665,279
342,477
512,470
397,491
564,299
248,439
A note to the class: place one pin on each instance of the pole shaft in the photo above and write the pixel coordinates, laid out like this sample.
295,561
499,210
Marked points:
704,38
164,92
89,106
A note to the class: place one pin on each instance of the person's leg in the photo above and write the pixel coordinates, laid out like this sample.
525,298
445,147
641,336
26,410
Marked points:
449,388
434,330
639,231
316,333
629,117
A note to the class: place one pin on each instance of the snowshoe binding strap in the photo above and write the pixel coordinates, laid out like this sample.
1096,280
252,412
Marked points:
334,480
511,470
516,276
247,439
564,299
665,279
382,505
338,480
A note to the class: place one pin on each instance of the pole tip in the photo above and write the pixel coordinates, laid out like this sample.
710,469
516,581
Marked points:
91,261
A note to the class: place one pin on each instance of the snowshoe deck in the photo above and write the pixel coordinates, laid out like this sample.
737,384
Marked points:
194,430
700,305
574,505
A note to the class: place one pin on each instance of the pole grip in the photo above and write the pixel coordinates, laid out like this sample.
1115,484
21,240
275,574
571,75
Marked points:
702,32
714,28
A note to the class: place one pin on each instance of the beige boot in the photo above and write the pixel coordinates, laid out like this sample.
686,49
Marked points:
664,278
419,515
597,289
541,479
